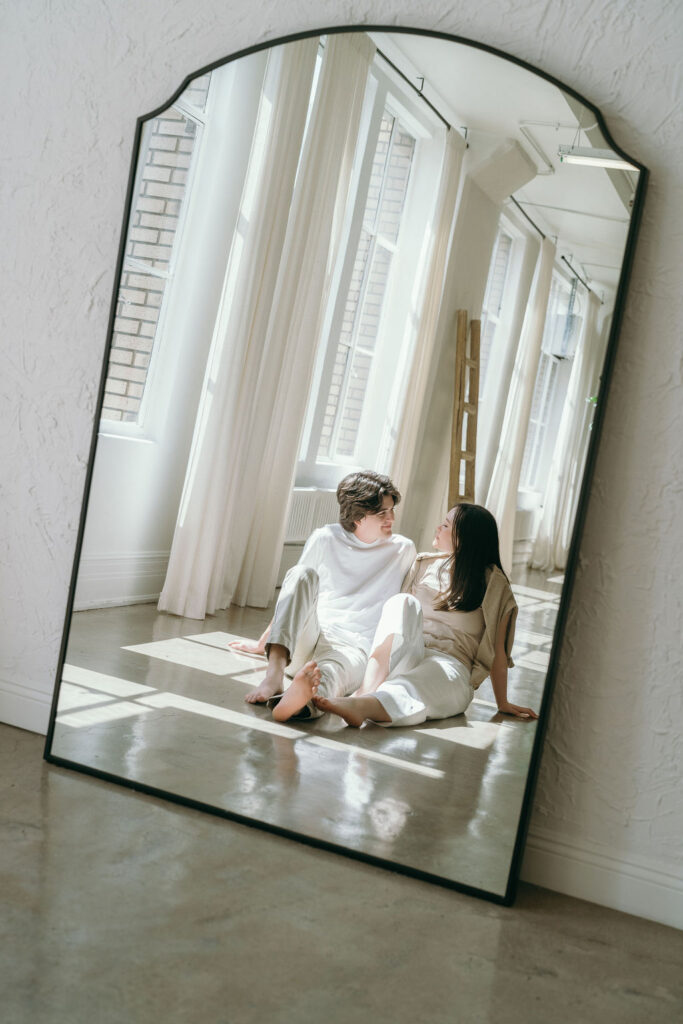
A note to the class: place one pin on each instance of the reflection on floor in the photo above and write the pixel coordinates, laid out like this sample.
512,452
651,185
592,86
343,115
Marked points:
160,700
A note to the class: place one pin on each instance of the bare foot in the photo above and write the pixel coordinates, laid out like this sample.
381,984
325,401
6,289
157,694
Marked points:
354,710
248,646
302,688
271,684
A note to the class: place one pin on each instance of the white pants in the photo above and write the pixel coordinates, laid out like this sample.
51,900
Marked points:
422,683
296,627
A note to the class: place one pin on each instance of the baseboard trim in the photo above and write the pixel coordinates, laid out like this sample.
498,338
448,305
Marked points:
108,581
633,886
115,602
24,707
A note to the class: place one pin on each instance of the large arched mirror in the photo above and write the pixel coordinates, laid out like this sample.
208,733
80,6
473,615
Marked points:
358,249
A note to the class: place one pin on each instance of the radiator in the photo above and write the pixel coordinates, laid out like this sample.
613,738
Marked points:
310,508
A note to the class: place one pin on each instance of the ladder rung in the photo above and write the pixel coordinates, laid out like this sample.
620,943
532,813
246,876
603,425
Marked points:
466,456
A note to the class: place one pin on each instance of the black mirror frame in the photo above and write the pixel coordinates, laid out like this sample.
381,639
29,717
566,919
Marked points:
620,299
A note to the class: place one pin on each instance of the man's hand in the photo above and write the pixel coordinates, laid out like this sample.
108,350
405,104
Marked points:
249,646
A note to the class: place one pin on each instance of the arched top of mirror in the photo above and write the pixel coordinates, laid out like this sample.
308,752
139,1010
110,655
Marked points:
489,96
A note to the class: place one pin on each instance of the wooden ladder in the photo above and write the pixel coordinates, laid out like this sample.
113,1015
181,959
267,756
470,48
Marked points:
465,409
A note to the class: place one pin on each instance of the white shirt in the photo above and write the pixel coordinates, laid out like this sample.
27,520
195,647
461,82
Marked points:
355,579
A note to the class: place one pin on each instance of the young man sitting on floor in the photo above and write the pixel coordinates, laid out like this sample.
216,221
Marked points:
331,601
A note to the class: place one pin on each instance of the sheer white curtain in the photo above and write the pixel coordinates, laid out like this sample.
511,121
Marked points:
311,252
492,409
502,494
233,510
566,468
442,225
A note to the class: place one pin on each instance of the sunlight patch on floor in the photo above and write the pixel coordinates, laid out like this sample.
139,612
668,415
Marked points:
72,697
200,707
222,641
187,652
165,701
112,685
101,715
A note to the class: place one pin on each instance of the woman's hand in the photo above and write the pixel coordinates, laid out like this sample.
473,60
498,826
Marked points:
514,709
250,646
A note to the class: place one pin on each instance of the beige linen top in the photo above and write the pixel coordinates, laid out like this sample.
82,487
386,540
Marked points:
470,637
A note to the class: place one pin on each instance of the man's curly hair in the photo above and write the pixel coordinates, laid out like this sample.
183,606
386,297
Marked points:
362,494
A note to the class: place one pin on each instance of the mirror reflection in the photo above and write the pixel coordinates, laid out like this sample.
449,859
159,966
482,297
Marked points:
384,263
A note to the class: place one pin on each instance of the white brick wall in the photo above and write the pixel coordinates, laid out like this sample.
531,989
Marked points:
166,154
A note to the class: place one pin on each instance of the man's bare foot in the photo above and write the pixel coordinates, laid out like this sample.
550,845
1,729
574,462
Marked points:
354,710
275,674
271,684
300,691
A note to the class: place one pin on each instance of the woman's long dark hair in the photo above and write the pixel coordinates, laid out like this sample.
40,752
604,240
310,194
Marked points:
475,548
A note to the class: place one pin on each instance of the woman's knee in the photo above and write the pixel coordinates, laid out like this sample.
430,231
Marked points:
401,620
401,607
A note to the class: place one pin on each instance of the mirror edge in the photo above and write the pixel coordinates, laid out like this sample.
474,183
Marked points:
508,897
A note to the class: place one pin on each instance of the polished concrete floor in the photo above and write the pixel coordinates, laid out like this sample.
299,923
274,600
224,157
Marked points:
117,908
159,700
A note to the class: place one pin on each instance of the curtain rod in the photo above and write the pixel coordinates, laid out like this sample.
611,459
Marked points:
525,214
563,258
579,278
415,88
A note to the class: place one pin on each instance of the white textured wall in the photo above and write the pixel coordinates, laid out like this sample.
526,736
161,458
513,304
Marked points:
76,73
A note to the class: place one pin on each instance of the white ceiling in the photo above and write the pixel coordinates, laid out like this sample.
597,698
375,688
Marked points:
495,99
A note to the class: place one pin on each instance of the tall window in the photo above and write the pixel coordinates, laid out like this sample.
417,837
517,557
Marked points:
355,348
493,301
371,312
545,389
167,153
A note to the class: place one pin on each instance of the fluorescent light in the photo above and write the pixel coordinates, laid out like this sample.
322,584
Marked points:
593,158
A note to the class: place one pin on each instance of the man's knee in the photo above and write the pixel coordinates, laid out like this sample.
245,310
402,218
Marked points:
301,578
301,574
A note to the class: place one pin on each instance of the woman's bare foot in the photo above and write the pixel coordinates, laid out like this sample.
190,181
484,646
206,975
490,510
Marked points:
300,691
354,710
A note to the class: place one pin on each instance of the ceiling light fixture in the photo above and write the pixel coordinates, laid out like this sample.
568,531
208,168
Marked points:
593,158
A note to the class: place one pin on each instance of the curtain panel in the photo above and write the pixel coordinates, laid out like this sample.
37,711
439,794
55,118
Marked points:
564,479
425,342
233,512
502,495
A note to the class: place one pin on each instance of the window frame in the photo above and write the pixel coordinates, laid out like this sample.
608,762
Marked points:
555,383
384,91
498,318
143,427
